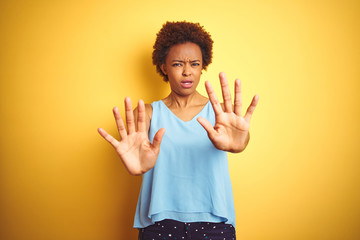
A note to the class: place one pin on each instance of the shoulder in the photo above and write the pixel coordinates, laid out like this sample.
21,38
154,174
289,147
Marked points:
222,106
202,101
148,114
148,111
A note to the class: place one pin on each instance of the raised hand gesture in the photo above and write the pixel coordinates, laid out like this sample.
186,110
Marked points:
231,130
136,151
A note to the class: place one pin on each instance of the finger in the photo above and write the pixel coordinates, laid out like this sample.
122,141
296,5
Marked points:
129,116
213,99
119,123
225,92
207,125
108,137
237,101
158,138
141,116
251,108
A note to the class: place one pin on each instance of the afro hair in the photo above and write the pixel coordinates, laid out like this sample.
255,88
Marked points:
173,33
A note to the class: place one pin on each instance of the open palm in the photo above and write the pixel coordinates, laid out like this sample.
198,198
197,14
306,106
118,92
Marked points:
231,130
136,151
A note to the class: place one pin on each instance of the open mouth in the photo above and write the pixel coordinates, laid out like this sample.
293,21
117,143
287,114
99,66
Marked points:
187,83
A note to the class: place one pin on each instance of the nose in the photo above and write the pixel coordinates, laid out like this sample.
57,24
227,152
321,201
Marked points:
186,70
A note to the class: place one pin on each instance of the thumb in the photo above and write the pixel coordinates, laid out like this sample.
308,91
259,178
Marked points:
157,139
207,125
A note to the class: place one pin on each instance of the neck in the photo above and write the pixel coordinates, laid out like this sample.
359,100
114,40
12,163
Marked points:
178,101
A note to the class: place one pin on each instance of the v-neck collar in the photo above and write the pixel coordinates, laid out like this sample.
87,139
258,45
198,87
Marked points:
194,118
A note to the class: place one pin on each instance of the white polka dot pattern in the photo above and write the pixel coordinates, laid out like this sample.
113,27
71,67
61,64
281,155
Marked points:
174,230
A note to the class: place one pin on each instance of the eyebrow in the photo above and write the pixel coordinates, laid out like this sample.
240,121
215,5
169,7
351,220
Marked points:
184,61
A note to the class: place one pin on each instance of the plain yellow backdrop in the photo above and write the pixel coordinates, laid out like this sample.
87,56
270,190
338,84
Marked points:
65,64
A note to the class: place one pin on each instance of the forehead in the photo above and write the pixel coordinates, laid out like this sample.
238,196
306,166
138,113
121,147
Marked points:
185,51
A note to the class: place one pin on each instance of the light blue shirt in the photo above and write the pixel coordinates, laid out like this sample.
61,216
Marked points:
190,181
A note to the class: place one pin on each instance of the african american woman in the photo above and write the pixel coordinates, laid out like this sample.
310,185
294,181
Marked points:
179,144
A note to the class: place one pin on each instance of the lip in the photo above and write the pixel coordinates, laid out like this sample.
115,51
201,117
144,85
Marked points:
187,83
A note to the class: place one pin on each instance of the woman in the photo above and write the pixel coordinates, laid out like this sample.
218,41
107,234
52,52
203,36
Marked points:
186,190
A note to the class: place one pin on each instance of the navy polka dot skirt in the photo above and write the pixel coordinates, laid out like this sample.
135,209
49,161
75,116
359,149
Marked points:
174,230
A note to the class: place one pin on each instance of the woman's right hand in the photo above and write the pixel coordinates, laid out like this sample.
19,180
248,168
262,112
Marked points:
136,151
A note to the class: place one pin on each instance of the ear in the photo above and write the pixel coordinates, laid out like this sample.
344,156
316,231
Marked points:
163,69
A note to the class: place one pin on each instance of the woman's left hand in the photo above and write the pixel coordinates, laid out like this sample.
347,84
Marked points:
231,130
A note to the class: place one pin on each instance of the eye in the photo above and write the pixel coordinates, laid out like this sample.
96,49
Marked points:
176,65
195,64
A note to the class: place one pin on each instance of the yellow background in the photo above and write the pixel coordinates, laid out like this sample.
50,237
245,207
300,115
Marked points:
65,64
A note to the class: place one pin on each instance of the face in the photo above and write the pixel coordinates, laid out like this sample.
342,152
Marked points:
183,67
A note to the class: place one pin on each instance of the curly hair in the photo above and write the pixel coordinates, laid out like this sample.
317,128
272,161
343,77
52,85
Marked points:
173,33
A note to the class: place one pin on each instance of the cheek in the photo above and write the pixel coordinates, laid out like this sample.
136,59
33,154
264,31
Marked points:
199,72
176,71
